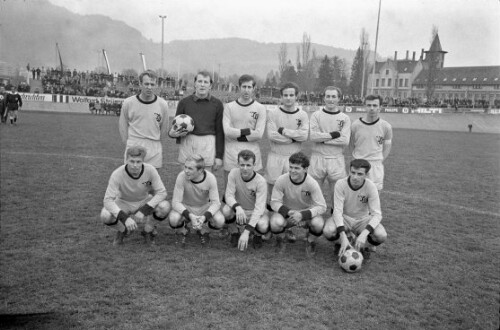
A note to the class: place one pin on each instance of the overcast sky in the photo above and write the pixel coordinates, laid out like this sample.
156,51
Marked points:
468,29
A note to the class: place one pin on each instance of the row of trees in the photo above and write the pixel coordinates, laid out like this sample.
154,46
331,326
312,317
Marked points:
313,73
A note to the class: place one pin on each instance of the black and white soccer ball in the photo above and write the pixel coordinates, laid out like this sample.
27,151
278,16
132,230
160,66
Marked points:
183,122
351,261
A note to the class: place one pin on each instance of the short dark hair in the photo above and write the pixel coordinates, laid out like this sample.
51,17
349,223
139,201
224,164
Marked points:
372,97
361,163
246,78
136,151
333,88
204,73
290,85
246,155
299,158
150,73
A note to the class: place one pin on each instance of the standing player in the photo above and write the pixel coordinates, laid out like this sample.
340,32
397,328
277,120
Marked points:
13,102
127,199
371,139
356,211
287,128
246,196
196,200
330,130
297,200
3,108
207,138
244,123
144,118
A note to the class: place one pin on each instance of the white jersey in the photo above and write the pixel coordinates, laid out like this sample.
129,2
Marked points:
322,124
143,120
251,195
356,203
244,127
196,194
122,186
306,195
287,130
367,139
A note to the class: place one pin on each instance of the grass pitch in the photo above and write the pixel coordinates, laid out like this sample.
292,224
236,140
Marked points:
438,270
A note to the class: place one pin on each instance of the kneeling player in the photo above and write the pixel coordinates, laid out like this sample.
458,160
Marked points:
298,201
356,211
196,200
128,201
246,195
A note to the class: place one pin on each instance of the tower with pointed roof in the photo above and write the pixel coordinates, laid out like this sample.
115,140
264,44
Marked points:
434,57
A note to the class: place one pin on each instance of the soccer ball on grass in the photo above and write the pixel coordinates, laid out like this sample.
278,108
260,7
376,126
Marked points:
351,261
183,122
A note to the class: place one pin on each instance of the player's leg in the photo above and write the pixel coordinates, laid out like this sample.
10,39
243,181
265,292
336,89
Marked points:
11,117
376,174
230,223
160,213
278,225
261,229
178,223
373,240
316,226
109,220
15,117
215,223
335,170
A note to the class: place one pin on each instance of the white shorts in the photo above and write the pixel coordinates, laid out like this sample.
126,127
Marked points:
198,210
332,169
356,225
194,144
154,154
131,207
276,165
376,173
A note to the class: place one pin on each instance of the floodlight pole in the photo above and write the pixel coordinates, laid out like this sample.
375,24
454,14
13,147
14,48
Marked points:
375,50
162,35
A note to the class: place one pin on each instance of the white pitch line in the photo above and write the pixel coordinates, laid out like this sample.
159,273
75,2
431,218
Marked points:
454,206
396,193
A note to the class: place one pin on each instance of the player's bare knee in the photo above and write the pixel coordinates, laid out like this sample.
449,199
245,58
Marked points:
227,212
162,210
106,217
218,220
317,224
379,234
175,219
277,223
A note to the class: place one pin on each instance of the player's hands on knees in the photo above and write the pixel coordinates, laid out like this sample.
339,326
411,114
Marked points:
361,240
130,224
241,217
243,241
217,164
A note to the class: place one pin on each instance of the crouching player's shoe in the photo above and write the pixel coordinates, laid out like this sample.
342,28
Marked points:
290,236
149,238
204,239
234,239
280,245
257,242
367,252
119,237
310,249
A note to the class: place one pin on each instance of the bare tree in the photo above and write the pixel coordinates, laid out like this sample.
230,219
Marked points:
282,57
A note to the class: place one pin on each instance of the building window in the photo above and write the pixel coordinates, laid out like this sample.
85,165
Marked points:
404,94
456,86
383,82
387,72
496,86
401,82
476,86
376,82
406,82
389,82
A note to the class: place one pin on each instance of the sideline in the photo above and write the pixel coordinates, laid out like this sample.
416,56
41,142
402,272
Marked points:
395,193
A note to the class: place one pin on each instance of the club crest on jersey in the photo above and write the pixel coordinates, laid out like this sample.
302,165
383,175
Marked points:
380,139
363,199
299,123
253,193
341,123
147,183
158,117
254,115
306,192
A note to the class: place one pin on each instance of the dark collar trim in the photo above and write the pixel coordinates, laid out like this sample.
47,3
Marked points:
203,179
331,113
196,98
298,183
253,176
350,186
130,175
372,123
245,105
290,113
146,102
